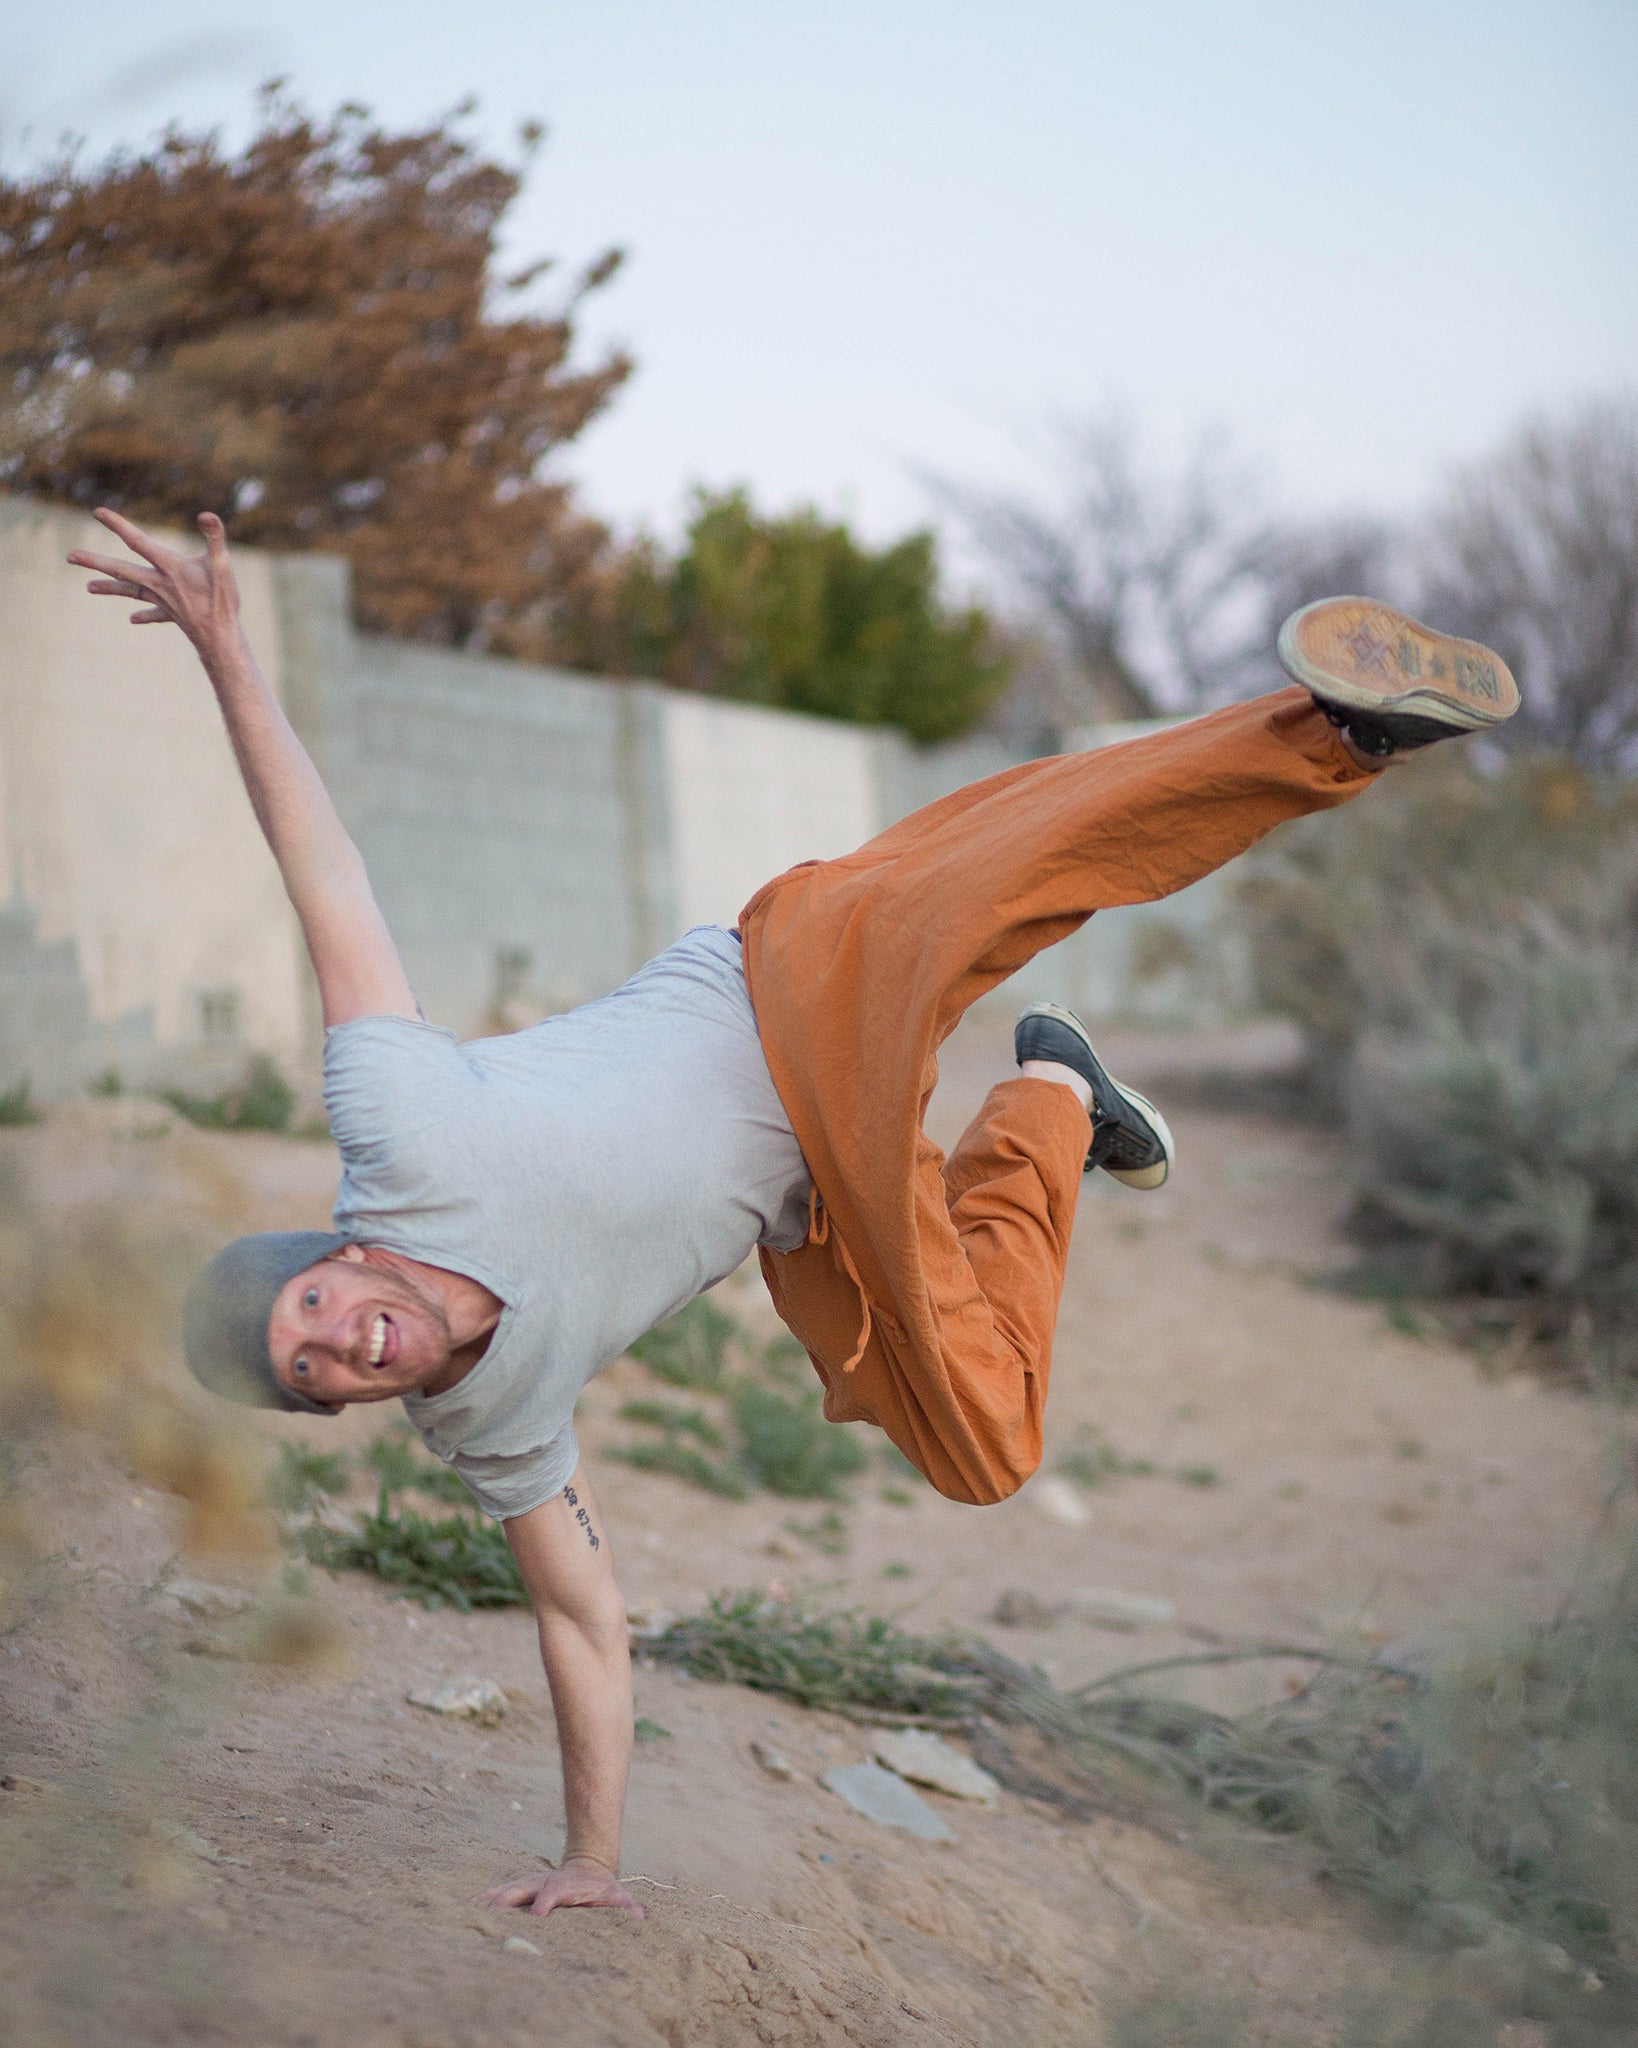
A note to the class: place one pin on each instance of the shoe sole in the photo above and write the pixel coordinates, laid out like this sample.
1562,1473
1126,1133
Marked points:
1357,654
1136,1177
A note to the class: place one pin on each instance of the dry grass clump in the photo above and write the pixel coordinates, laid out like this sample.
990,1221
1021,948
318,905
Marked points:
1488,1806
1461,951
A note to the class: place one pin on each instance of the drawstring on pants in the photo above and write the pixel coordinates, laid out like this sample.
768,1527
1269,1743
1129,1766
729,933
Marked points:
819,1233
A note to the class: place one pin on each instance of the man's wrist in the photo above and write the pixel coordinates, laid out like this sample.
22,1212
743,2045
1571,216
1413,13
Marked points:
602,1863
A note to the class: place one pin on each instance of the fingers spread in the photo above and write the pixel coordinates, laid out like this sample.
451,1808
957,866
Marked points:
111,565
518,1894
134,537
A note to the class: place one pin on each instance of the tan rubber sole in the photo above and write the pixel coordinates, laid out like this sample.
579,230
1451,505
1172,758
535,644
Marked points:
1356,653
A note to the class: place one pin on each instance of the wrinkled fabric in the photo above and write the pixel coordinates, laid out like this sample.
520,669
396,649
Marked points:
927,1291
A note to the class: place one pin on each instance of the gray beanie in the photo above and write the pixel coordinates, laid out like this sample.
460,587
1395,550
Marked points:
224,1319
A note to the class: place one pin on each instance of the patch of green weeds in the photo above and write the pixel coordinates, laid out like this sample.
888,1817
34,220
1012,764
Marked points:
263,1101
303,1475
454,1560
676,1421
680,1461
646,1730
1200,1475
108,1083
17,1105
827,1533
898,1464
689,1349
898,1571
785,1361
1091,1460
400,1466
898,1497
789,1447
1409,1447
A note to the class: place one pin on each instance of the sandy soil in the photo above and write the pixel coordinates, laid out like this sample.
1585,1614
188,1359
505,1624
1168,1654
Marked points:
1368,1486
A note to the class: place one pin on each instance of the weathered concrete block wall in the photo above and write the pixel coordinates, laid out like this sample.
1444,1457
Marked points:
533,836
141,917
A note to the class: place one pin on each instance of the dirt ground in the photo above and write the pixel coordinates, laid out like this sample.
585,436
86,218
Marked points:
1320,1477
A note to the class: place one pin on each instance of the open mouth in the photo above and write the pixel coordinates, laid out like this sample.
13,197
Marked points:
384,1341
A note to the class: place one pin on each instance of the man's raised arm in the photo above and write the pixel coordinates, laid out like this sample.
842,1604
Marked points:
563,1554
357,965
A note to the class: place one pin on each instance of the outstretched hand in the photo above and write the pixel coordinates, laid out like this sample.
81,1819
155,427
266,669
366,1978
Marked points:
579,1882
195,592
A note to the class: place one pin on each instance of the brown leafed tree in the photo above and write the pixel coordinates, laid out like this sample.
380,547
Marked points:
310,339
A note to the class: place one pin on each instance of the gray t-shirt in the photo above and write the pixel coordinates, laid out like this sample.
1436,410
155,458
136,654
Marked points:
595,1172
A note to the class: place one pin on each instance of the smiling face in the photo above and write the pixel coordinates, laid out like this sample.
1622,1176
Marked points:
351,1329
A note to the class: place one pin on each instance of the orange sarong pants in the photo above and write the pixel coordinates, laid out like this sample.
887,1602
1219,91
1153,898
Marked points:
927,1292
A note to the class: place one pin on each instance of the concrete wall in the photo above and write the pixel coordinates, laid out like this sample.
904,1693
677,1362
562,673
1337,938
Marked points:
533,836
131,869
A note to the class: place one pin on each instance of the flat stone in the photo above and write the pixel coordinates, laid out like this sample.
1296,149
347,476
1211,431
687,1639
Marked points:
1106,1608
1017,1608
772,1762
464,1699
205,1601
927,1759
1055,1500
882,1796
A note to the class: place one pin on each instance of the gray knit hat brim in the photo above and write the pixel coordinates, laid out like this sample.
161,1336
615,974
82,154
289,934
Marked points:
224,1319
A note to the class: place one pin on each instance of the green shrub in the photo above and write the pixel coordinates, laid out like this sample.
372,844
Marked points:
302,1476
677,1421
789,1447
400,1466
689,1349
17,1105
454,1559
263,1101
1461,952
1091,1459
680,1461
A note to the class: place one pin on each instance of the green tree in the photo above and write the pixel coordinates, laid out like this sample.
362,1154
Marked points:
794,611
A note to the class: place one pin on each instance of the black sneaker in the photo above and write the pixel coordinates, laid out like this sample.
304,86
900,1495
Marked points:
1130,1138
1388,683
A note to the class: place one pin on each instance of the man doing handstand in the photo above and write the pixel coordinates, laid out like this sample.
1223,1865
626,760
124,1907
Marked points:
513,1212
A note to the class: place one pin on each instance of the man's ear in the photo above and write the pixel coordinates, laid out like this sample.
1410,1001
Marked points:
353,1254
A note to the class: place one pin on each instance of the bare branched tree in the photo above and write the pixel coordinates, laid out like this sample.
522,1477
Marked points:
1536,553
1147,580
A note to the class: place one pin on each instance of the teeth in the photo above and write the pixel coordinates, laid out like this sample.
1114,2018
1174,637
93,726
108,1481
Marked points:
378,1339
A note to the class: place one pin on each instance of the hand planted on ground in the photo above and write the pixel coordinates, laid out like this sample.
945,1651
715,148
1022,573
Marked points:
579,1882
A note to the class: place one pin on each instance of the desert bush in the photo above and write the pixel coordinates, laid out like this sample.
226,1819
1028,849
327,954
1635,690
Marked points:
303,1477
780,1439
263,1101
788,1445
17,1104
1488,1804
1461,952
689,1349
460,1560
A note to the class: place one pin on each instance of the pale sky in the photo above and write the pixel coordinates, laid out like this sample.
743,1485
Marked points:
871,240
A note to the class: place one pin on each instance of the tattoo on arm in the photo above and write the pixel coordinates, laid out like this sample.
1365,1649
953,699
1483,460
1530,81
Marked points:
582,1518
